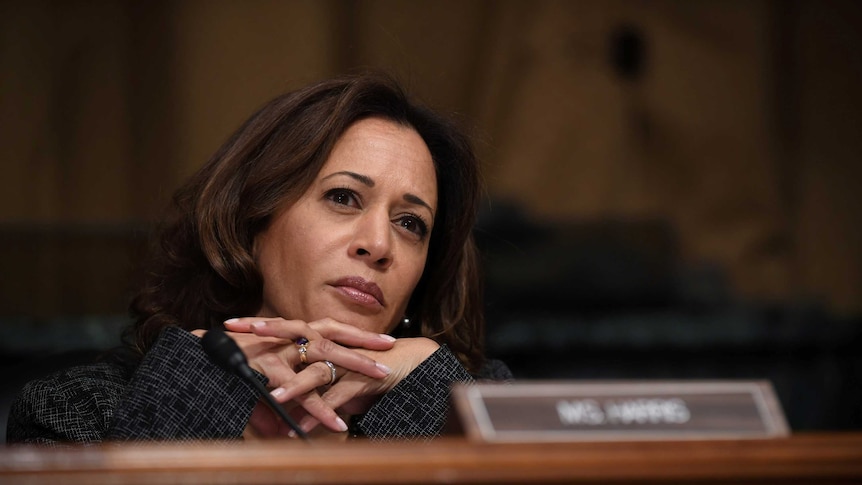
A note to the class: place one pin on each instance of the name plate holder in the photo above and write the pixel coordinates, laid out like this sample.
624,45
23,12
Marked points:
557,411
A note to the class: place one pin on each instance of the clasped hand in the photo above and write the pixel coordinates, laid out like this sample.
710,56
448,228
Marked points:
368,365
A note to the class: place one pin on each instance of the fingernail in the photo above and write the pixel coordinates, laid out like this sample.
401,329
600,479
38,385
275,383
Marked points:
386,370
278,392
388,338
306,423
342,426
231,320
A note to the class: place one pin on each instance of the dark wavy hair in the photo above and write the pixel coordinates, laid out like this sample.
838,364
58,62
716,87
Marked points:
201,270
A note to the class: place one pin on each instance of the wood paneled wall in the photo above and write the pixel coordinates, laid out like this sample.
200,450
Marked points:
741,130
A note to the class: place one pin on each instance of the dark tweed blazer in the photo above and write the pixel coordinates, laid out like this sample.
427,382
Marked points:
176,393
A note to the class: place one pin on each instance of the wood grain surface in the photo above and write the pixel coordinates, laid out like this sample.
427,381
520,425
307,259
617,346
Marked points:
808,458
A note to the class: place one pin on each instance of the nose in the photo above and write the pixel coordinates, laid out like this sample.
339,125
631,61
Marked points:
372,240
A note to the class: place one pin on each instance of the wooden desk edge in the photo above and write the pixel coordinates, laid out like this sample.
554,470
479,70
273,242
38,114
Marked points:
825,458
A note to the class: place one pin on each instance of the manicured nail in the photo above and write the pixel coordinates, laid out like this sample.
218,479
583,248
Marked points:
386,370
388,338
306,423
231,320
342,426
278,392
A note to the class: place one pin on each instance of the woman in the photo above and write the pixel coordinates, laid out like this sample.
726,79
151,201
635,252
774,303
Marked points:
337,218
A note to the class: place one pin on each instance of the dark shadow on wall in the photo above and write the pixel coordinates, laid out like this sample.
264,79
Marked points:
611,300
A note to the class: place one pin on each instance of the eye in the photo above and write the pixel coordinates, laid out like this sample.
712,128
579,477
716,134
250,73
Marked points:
413,224
340,196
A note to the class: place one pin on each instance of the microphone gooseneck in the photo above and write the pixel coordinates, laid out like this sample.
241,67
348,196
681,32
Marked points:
223,351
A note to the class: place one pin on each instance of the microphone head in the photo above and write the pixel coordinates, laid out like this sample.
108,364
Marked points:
223,351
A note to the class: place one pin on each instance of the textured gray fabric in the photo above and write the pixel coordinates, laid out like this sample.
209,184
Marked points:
75,405
176,393
417,406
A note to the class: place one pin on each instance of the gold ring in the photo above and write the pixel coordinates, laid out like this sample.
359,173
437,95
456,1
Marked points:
302,342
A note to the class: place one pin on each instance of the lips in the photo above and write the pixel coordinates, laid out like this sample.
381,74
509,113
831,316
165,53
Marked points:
360,290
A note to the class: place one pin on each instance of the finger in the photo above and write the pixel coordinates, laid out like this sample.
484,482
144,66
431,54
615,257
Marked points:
257,349
308,422
265,423
301,389
344,397
277,371
351,394
312,377
318,348
340,332
325,349
315,406
294,329
352,336
238,325
281,328
243,324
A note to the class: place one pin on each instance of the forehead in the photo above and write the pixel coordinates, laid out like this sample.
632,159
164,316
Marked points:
388,153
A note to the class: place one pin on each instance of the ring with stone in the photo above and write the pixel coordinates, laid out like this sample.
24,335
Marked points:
302,342
331,371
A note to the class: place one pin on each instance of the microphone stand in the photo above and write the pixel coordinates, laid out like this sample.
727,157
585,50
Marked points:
224,351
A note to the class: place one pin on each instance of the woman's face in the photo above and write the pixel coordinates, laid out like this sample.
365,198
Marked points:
353,247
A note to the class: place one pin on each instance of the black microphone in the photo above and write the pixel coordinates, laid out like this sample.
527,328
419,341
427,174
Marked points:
222,350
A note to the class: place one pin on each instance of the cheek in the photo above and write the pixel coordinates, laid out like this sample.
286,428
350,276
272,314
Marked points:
412,276
293,257
420,268
278,259
294,240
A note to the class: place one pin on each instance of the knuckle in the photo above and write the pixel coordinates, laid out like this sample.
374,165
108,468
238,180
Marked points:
333,397
322,371
325,346
310,330
270,360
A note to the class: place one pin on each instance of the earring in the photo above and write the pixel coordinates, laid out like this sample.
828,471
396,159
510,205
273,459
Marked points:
405,322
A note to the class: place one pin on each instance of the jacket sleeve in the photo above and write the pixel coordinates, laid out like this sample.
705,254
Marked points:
175,393
70,406
417,407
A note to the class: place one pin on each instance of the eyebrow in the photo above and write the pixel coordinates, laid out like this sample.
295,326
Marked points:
364,179
369,182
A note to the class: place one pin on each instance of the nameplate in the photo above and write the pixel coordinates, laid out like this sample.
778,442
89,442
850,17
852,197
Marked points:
537,411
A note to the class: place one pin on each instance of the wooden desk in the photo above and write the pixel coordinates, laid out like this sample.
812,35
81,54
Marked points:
814,458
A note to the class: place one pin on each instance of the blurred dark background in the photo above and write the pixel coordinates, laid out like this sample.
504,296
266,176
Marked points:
672,186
